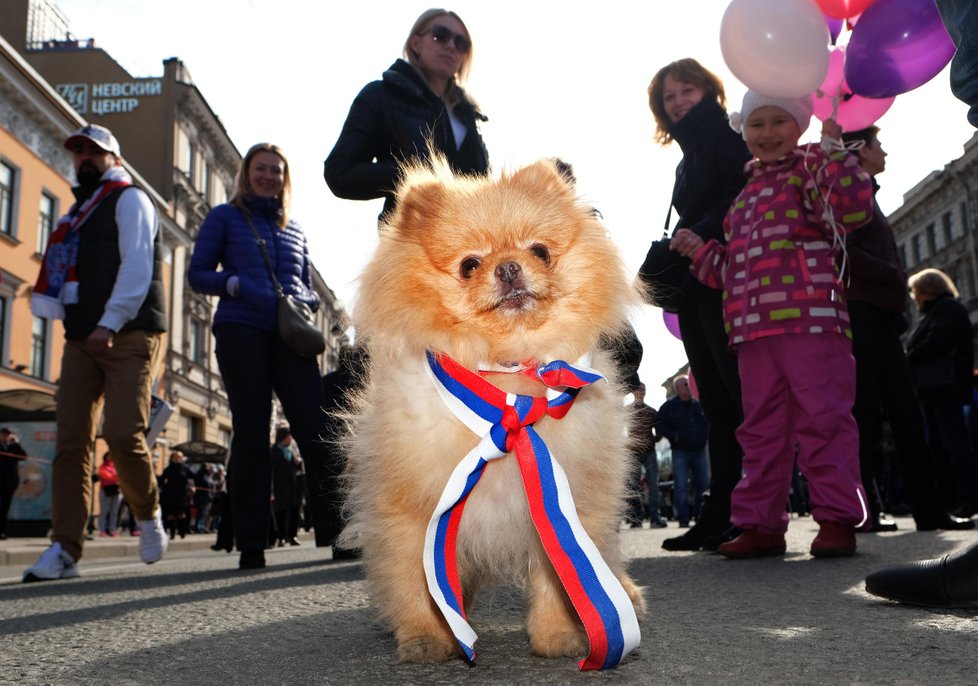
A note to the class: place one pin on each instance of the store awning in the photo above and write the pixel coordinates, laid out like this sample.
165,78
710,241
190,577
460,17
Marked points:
25,404
202,451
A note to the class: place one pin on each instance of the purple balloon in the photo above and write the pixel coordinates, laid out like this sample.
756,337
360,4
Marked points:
671,320
896,46
835,27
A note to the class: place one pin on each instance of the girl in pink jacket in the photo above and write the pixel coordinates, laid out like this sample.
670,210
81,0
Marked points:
786,318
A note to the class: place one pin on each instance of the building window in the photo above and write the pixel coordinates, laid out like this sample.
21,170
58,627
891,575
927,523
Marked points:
903,254
206,180
46,221
8,177
917,246
3,330
195,341
965,222
948,232
192,164
224,437
193,427
39,344
931,240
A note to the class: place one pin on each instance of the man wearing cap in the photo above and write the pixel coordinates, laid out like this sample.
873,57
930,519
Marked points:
102,274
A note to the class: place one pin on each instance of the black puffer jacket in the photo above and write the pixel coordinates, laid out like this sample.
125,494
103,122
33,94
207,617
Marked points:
945,330
389,122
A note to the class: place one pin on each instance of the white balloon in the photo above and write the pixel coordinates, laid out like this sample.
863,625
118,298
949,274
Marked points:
779,48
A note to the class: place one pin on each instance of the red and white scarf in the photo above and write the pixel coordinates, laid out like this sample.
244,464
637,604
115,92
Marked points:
57,282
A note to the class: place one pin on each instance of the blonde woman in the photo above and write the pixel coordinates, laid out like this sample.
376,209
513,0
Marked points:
941,353
227,262
418,101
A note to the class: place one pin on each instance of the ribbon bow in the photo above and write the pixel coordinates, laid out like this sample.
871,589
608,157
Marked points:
505,423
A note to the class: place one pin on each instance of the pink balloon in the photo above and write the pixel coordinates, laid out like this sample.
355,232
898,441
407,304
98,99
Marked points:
671,320
854,111
843,9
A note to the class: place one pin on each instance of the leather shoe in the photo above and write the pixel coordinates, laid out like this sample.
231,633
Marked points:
834,539
345,553
753,543
945,522
966,511
711,543
879,525
951,581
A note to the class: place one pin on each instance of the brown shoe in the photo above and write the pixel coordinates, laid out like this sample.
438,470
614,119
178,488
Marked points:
753,543
834,540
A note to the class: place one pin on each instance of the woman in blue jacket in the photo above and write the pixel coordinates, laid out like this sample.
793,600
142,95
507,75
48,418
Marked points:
227,262
418,101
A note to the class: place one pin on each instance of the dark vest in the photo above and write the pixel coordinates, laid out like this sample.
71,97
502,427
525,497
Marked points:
98,266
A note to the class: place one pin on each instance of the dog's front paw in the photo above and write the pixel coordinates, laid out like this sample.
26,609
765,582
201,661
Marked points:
426,649
559,643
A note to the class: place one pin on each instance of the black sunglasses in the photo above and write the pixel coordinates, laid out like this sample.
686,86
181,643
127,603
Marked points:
440,34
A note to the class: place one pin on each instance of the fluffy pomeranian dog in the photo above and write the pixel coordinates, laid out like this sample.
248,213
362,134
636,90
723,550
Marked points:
495,274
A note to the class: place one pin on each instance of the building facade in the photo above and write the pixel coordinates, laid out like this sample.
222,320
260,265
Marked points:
936,226
182,153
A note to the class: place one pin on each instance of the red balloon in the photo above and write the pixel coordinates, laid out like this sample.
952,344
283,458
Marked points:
843,9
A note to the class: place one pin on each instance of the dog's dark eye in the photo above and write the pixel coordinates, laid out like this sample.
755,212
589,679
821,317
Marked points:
540,251
469,265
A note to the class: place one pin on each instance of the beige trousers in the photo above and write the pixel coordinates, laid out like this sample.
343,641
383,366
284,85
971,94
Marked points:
120,379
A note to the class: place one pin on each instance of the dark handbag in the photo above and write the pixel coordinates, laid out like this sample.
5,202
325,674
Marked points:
296,324
934,375
665,273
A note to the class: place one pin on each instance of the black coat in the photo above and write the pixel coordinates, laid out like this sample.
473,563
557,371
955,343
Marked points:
945,330
711,173
390,122
286,481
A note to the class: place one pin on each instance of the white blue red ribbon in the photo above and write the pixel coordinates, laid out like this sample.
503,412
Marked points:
505,423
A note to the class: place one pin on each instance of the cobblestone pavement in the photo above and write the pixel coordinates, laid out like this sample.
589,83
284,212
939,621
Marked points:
194,618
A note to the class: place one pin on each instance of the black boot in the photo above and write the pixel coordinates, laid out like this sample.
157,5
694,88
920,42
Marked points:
252,559
951,581
710,523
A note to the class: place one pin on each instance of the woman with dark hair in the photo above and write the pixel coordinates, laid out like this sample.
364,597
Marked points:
254,361
687,102
419,102
941,353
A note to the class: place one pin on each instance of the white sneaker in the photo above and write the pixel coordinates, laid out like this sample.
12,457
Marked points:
54,563
152,538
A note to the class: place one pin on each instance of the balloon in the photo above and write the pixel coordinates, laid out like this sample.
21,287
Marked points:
777,48
671,320
693,388
896,46
843,9
835,27
854,111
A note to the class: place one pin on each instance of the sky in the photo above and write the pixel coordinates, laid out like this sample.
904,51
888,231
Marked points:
563,78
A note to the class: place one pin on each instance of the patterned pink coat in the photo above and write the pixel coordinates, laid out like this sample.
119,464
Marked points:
785,233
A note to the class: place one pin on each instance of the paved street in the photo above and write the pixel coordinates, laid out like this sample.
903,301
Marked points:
195,619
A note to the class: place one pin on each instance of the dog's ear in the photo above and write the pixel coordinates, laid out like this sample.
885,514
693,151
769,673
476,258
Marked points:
418,206
542,176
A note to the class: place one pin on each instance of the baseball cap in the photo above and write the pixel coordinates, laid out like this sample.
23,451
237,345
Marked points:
99,135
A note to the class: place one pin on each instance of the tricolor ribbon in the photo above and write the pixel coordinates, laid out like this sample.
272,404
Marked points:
505,423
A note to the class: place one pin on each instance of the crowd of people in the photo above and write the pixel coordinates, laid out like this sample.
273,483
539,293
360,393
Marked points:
790,309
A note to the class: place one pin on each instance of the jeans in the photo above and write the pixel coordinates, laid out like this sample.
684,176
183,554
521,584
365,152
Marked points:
686,464
253,364
108,511
651,462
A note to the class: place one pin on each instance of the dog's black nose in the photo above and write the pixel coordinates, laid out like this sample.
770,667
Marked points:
508,272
